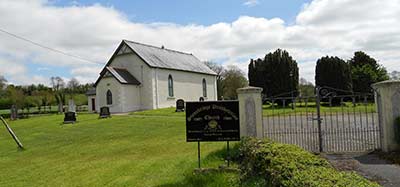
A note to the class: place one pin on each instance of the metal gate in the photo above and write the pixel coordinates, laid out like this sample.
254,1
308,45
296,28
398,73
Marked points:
327,122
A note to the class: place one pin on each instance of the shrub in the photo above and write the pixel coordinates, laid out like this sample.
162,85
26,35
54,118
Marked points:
290,166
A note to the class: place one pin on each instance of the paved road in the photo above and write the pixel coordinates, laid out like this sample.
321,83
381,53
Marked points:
340,132
369,166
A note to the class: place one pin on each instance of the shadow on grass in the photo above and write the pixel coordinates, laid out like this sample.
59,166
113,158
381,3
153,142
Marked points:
212,178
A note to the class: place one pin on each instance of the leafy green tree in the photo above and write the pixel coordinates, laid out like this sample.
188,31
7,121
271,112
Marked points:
366,71
335,73
232,79
277,74
218,69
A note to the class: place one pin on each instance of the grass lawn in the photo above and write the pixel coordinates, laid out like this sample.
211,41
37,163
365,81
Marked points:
145,149
268,110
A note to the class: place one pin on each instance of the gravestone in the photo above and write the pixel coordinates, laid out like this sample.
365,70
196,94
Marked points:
69,117
180,105
14,112
105,112
201,99
71,106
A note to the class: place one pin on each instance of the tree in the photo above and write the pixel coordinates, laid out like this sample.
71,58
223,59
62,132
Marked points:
277,74
334,73
16,96
395,75
306,88
365,71
218,69
3,82
73,84
232,79
58,85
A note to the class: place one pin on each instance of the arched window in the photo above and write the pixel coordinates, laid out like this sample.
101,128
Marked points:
170,86
204,88
109,97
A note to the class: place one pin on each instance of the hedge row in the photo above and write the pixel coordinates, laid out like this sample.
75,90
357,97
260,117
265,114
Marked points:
290,166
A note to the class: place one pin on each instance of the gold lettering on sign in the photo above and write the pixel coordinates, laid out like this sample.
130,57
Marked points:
198,111
225,110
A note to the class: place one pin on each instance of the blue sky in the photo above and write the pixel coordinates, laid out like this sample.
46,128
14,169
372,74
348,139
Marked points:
204,12
222,31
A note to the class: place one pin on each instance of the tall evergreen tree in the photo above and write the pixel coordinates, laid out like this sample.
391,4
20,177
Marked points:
366,71
277,74
335,73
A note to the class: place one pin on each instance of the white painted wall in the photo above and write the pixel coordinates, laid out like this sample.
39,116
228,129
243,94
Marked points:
153,92
130,98
109,83
187,86
90,97
142,72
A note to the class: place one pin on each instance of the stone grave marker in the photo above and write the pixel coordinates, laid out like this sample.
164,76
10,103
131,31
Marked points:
105,112
71,106
180,105
69,117
14,112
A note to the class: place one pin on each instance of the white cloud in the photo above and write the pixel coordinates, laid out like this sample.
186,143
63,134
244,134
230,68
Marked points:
323,27
251,3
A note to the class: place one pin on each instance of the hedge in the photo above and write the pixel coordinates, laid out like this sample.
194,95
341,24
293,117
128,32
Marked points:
290,166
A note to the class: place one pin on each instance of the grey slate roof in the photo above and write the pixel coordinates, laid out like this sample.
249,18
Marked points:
168,59
91,91
123,76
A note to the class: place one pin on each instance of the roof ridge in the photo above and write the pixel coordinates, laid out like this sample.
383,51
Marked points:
157,47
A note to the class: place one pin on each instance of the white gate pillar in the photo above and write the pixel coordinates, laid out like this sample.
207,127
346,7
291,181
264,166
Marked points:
387,99
250,112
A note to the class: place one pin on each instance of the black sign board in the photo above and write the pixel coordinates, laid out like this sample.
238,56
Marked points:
201,99
69,117
180,105
104,112
212,121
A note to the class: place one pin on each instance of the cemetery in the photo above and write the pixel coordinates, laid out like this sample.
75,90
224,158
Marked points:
150,148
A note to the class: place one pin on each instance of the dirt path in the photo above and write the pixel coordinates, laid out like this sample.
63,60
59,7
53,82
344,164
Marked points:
369,166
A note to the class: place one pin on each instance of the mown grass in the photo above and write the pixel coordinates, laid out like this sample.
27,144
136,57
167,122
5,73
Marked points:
268,110
311,107
143,149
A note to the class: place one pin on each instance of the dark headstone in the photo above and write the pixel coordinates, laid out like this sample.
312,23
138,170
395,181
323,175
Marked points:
70,117
105,112
201,99
180,105
14,112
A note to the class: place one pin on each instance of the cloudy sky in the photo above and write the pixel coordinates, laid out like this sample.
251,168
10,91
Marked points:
229,32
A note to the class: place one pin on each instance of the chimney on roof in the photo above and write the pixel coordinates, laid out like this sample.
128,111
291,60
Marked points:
162,47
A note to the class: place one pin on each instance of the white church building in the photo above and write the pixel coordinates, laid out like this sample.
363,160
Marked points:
141,77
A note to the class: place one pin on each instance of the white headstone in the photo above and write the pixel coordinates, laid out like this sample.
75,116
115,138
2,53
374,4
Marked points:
71,106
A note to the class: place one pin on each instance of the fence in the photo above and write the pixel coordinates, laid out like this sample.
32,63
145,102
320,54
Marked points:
327,122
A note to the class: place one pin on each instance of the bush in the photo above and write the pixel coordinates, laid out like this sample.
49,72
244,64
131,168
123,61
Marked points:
290,166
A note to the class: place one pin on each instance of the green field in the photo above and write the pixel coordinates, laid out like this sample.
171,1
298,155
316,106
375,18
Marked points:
302,109
143,149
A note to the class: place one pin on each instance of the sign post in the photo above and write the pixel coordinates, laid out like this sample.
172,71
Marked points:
208,121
